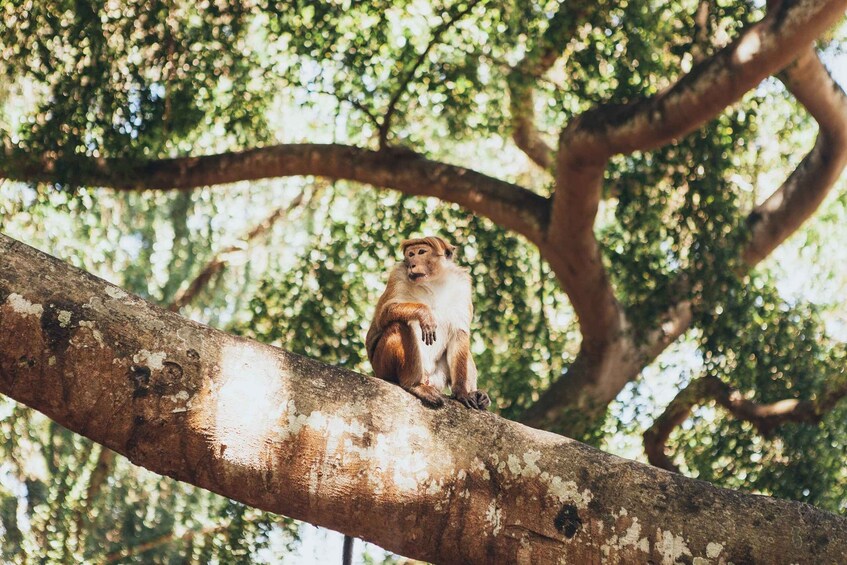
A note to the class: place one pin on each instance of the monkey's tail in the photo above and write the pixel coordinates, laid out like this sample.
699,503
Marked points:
347,552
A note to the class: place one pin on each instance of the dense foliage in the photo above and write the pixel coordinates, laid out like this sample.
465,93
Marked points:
139,79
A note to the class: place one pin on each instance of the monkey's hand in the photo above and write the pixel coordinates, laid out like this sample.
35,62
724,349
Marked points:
474,399
428,326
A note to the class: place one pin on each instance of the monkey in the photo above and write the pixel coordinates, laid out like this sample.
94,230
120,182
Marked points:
420,334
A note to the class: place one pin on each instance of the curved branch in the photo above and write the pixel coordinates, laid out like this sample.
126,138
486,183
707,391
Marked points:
760,51
587,143
765,417
772,221
507,204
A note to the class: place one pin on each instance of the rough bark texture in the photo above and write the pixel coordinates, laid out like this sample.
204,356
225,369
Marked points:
287,434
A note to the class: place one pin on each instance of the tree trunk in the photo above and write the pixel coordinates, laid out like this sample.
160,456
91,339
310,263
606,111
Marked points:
287,434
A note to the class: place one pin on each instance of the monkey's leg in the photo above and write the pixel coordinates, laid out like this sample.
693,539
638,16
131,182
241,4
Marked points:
463,373
398,360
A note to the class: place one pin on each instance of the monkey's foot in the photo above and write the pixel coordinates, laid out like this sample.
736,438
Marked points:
474,399
429,395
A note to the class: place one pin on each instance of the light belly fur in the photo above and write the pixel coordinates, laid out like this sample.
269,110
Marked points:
434,357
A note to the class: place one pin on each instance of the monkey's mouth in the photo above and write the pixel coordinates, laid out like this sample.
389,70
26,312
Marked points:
416,276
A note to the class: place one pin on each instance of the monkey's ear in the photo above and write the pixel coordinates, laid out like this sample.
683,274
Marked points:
449,251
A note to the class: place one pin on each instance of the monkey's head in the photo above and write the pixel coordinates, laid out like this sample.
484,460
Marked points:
426,258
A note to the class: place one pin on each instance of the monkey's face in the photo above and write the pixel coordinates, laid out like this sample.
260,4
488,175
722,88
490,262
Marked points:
423,263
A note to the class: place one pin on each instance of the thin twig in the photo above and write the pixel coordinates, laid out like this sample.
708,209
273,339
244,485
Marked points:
221,259
410,74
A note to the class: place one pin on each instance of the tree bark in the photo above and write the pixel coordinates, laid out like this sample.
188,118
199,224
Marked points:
290,435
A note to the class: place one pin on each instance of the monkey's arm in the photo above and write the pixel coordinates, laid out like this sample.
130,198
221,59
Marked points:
407,312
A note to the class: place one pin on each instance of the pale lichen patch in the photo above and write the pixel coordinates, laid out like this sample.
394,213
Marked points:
514,465
531,458
116,293
671,547
529,468
568,491
480,466
154,360
493,516
632,534
183,401
713,550
631,538
64,318
23,306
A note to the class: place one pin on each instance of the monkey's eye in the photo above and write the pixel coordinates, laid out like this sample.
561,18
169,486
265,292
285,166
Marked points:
422,251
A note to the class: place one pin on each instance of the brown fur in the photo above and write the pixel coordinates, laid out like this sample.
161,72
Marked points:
393,345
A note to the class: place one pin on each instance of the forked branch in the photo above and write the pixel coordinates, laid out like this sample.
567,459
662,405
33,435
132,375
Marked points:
784,211
609,355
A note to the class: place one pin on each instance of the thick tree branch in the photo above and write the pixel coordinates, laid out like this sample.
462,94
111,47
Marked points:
782,213
765,417
287,434
760,51
509,205
588,142
562,27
